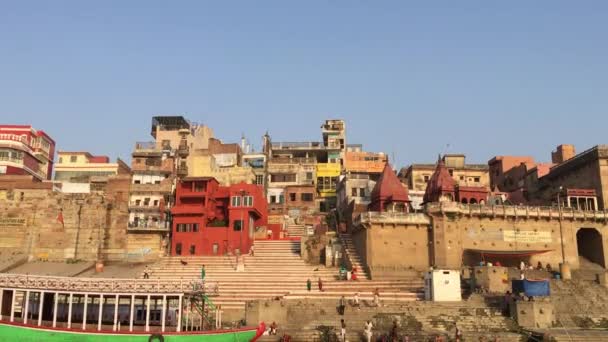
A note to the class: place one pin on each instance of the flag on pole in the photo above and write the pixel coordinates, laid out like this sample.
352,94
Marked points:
60,217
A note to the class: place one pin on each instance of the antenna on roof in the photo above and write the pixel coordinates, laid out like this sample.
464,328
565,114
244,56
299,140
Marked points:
447,148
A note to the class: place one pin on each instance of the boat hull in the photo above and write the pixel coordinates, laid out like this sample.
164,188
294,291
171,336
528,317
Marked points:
22,333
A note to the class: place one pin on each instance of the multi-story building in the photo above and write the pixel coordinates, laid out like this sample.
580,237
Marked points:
580,181
472,180
209,219
151,189
82,172
317,163
156,166
26,151
361,171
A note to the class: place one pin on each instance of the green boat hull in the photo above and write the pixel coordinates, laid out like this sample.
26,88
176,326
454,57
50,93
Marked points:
9,332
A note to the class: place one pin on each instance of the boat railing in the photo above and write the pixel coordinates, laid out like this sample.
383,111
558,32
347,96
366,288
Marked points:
105,285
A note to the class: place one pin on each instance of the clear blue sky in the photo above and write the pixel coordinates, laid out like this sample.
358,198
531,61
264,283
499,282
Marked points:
486,77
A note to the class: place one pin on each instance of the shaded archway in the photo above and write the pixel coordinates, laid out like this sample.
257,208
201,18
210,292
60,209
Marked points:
590,246
464,201
473,201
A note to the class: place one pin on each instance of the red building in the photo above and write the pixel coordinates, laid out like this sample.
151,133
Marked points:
442,187
388,193
26,151
209,219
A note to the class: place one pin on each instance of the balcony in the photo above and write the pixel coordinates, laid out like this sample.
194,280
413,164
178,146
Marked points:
293,161
143,226
165,166
162,187
134,206
146,148
182,171
308,145
183,149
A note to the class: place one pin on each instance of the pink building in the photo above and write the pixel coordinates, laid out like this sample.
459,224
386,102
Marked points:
26,151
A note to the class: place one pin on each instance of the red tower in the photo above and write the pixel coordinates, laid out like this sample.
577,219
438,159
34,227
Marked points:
389,193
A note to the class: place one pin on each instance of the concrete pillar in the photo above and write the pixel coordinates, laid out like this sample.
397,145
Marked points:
114,327
13,306
131,312
84,311
179,314
100,314
163,314
40,303
148,313
26,307
55,309
70,310
564,269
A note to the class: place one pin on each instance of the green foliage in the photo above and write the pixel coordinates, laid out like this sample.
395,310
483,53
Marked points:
327,333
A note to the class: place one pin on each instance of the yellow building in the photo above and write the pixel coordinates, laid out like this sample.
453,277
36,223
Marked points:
327,179
75,170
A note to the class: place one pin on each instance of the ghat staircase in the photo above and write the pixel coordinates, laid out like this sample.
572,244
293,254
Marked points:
277,270
353,257
296,230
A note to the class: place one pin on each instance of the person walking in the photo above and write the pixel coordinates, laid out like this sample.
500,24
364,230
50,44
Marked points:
376,294
308,285
146,272
356,301
342,330
320,283
368,331
341,305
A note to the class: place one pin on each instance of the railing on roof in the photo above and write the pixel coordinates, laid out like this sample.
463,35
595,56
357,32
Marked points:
145,145
101,285
516,211
392,217
290,145
283,160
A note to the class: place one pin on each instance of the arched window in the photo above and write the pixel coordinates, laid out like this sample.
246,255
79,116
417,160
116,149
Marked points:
473,201
464,201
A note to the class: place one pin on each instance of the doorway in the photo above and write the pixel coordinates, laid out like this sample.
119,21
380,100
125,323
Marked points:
590,246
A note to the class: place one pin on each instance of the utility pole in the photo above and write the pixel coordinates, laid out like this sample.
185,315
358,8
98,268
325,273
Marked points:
564,268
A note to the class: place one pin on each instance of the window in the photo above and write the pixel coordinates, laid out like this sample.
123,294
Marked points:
157,182
426,178
248,201
238,225
60,160
73,159
236,201
178,249
138,202
137,181
451,172
147,201
195,227
192,249
292,197
461,178
306,197
361,192
273,199
476,179
354,192
215,248
308,175
156,203
259,179
283,177
198,187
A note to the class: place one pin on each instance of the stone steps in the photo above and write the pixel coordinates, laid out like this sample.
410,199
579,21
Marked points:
276,270
353,257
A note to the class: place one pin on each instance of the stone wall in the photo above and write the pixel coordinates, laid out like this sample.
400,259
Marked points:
458,234
94,225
